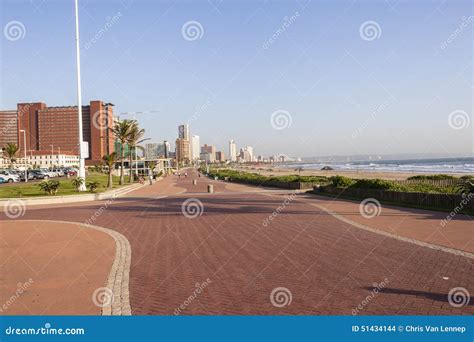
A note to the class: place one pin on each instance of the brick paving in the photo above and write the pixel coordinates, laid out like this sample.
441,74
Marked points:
52,268
241,256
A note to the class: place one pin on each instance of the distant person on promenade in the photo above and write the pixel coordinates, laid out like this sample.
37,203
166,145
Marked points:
179,175
185,175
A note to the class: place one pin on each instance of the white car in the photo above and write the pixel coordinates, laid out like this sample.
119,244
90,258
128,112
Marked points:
9,177
49,173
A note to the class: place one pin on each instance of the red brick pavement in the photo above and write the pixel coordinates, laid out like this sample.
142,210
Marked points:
330,267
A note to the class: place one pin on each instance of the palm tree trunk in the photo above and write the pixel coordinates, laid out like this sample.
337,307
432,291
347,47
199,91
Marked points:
131,161
109,183
122,155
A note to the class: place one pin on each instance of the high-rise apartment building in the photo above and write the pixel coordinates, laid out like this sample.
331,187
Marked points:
232,151
208,149
246,154
57,128
157,150
195,147
183,132
220,156
182,150
208,153
9,127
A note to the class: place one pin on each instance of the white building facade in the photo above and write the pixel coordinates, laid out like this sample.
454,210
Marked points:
195,147
232,151
53,160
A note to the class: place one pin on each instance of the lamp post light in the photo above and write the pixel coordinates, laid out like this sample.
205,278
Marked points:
52,155
82,166
24,154
136,158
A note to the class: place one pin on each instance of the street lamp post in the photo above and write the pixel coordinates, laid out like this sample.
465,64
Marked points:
52,155
82,166
24,154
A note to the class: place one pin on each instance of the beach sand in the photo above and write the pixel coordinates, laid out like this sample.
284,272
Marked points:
279,171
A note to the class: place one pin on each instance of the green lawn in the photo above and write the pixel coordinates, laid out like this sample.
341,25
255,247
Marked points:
31,189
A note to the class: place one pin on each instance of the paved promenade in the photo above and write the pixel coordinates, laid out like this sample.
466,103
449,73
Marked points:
247,250
50,268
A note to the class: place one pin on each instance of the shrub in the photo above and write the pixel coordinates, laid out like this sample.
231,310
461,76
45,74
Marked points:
77,183
93,186
378,184
341,181
431,177
466,187
49,186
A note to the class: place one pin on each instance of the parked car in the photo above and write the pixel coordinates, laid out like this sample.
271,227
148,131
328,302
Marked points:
71,172
9,176
38,174
22,175
59,171
51,174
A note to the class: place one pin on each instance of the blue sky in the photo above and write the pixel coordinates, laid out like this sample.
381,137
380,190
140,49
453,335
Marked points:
343,92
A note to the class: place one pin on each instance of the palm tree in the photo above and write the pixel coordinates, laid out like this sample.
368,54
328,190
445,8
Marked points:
134,138
109,161
121,131
9,152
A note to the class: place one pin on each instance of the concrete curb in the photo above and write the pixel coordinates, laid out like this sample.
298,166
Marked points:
4,203
119,276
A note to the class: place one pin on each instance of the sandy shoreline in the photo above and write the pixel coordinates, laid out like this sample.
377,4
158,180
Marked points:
278,171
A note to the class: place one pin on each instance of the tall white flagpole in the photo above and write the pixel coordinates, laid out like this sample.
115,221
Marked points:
82,166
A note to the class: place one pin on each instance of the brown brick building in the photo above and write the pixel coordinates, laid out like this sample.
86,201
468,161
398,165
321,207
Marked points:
8,127
182,150
56,128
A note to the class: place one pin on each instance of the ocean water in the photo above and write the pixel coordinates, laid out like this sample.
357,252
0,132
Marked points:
448,165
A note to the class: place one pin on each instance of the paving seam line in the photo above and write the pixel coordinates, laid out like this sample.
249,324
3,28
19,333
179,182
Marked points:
118,279
381,232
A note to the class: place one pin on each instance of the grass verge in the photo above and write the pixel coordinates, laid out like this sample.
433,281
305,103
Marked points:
31,189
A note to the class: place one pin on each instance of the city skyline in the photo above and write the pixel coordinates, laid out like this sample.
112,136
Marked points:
348,93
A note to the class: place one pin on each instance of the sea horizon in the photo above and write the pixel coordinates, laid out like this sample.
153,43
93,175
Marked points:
419,165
